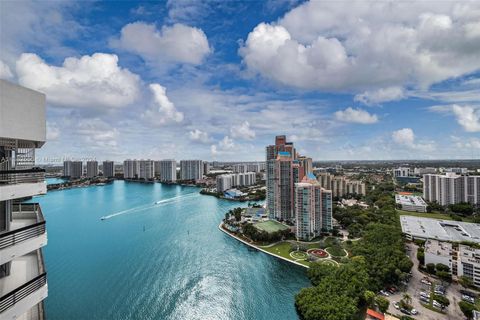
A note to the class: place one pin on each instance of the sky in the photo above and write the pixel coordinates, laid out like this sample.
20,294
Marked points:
217,80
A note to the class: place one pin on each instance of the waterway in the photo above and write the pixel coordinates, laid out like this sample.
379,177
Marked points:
157,255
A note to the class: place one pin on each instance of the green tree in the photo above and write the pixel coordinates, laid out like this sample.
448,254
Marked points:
465,282
382,303
467,309
421,256
319,271
444,275
442,267
369,297
441,299
406,297
430,267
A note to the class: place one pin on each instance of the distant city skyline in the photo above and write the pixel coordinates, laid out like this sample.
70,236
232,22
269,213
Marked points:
205,80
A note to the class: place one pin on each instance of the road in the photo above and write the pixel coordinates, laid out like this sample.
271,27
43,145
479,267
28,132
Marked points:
414,288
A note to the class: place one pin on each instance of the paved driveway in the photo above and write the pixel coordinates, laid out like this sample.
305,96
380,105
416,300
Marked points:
414,288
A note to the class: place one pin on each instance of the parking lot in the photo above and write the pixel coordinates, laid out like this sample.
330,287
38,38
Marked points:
415,287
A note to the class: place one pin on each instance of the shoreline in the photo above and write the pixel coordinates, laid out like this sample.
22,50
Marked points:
220,226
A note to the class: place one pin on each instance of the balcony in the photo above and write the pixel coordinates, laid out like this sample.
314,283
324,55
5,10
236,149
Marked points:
23,291
27,232
15,184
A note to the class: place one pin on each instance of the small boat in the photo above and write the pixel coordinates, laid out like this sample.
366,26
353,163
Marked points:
158,202
103,218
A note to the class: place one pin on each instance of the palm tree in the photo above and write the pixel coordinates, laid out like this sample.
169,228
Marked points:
406,297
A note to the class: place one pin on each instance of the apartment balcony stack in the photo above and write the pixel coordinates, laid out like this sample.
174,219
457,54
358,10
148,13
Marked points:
23,278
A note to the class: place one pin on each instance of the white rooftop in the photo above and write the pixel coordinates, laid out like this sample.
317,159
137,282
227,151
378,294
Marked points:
409,200
444,230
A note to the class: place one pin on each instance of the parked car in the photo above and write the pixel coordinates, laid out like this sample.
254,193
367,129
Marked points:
405,311
414,312
439,289
392,290
424,281
424,294
384,293
425,299
396,305
437,304
468,298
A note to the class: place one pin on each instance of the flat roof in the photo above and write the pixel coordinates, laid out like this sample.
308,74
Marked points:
410,200
444,230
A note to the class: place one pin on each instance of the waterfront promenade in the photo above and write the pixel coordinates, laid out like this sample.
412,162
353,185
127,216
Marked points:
220,226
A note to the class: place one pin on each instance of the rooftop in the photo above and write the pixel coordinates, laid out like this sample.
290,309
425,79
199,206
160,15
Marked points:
444,230
409,200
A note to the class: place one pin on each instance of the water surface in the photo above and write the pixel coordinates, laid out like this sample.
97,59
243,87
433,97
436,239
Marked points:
156,261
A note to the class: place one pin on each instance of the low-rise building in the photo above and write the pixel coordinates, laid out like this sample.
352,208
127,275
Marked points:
461,258
443,230
411,203
401,172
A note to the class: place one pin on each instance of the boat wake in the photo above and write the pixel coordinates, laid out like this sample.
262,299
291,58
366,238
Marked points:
149,206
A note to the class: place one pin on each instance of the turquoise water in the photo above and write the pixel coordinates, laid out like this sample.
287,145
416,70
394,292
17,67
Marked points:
164,261
54,180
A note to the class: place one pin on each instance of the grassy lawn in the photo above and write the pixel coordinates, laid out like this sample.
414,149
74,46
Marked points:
281,249
270,226
336,251
434,215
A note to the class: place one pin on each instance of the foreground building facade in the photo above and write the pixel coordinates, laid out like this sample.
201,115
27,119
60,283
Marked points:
23,279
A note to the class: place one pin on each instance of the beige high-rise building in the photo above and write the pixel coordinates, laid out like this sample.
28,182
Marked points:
313,208
341,185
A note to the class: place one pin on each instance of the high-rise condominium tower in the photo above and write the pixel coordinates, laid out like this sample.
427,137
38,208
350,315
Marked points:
108,169
313,208
23,279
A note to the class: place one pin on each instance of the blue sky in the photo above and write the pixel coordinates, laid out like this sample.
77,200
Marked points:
217,80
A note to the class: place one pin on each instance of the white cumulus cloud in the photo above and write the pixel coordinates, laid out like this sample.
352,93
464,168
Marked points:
468,116
53,132
356,116
5,72
243,131
90,81
405,137
199,136
366,45
177,43
163,110
375,97
224,146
